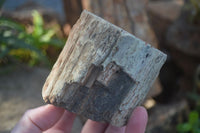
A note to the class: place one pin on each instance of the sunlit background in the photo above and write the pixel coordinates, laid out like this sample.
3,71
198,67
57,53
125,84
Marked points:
33,33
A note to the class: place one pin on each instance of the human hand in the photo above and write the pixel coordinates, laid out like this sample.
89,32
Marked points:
51,119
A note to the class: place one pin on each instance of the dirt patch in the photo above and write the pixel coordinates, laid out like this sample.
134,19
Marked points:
21,90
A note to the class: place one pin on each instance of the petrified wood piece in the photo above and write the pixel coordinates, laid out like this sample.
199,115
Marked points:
103,72
131,16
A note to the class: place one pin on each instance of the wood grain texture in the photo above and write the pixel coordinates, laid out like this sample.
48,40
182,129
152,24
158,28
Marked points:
103,72
131,16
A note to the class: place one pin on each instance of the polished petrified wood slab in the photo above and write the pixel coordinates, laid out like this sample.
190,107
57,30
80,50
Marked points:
103,72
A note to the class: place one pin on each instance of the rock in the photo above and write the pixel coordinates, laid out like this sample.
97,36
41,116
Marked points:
183,44
103,72
168,10
184,39
164,118
162,14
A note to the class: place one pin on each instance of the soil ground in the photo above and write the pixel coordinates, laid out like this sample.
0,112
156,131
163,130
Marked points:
20,89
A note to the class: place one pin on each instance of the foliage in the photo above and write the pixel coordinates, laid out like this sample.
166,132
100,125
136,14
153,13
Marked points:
194,7
27,45
193,124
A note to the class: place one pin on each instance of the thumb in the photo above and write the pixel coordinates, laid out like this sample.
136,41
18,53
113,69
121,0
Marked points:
38,119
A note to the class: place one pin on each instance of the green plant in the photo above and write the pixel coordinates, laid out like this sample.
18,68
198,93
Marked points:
27,45
193,124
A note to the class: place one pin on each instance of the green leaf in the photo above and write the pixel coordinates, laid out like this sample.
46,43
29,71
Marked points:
37,24
196,130
7,33
15,38
183,128
46,37
193,117
11,24
15,43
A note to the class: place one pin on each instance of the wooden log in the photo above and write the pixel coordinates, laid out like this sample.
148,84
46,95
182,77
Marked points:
103,72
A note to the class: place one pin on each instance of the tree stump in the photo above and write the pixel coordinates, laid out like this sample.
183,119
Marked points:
103,72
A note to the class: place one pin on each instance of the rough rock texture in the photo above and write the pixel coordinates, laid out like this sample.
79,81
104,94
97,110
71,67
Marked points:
103,71
132,17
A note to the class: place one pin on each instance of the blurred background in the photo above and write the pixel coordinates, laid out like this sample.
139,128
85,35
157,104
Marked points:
33,32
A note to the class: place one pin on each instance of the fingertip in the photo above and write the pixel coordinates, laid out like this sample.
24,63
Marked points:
140,110
138,120
94,127
65,123
114,129
46,116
